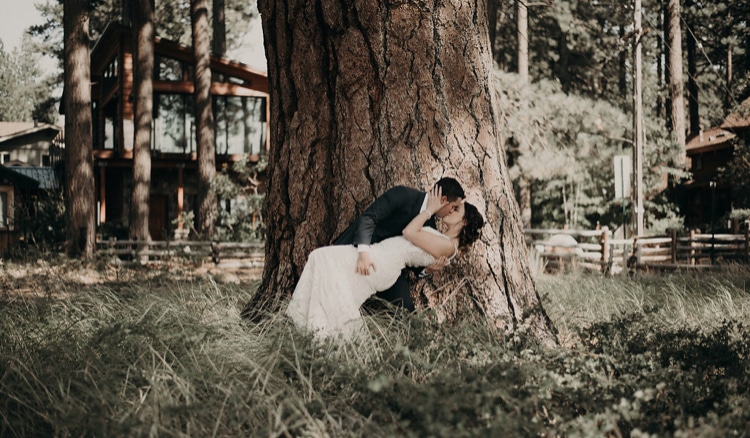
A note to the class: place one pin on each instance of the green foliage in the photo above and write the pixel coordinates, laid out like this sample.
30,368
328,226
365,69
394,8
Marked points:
172,22
720,27
658,355
737,175
24,92
42,222
587,47
565,145
241,219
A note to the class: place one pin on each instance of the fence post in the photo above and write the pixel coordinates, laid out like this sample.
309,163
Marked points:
692,247
673,248
604,240
215,253
636,252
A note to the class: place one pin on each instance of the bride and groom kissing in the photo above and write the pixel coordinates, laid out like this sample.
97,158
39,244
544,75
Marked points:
397,232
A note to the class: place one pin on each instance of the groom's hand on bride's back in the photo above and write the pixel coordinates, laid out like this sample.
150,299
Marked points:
364,262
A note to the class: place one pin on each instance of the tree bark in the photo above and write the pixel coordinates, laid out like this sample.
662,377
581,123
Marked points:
562,70
366,95
667,73
524,200
622,71
660,49
728,98
523,40
143,108
695,122
79,167
218,19
677,108
492,10
204,120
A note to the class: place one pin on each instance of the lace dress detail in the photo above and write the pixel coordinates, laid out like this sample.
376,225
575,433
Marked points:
329,293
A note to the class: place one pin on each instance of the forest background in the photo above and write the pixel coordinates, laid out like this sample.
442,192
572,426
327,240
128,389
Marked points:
562,124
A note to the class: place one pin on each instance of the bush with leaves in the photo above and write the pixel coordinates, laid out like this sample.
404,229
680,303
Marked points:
563,146
239,191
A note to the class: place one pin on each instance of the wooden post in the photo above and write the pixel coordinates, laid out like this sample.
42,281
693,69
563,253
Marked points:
180,197
637,247
747,244
638,128
692,247
673,249
102,195
604,240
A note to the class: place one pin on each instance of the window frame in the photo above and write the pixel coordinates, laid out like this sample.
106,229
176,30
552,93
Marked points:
7,223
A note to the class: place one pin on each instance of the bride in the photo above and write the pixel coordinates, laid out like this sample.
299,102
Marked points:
330,292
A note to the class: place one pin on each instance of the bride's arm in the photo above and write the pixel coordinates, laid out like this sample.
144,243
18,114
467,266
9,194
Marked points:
436,245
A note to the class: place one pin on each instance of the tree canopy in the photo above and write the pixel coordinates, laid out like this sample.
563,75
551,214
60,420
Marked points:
25,93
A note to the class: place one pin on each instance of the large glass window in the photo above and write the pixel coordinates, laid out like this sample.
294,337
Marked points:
239,125
109,132
109,76
174,127
169,69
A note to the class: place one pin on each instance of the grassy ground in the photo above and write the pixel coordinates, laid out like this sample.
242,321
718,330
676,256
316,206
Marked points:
106,351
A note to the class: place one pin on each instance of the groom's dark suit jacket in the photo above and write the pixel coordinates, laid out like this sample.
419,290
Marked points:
386,217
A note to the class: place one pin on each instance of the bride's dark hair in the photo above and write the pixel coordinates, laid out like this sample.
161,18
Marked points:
472,227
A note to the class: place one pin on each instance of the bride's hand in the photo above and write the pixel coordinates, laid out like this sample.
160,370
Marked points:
438,265
435,200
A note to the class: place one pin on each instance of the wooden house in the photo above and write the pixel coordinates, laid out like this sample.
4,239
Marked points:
28,153
707,197
30,144
240,96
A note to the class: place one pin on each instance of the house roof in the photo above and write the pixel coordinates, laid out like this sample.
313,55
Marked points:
10,128
14,134
709,140
42,178
116,34
739,119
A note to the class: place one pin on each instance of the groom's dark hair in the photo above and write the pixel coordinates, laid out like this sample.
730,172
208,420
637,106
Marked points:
451,188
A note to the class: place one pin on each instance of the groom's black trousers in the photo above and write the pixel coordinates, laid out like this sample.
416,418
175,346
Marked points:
399,294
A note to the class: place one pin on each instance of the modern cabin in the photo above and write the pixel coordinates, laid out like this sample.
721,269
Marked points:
240,110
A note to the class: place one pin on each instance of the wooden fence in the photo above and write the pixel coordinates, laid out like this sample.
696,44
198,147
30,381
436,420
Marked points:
597,250
222,254
586,249
692,251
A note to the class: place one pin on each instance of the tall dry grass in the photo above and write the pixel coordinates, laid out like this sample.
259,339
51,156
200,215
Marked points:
164,355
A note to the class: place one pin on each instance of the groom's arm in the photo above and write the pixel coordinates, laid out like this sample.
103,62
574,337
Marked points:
381,209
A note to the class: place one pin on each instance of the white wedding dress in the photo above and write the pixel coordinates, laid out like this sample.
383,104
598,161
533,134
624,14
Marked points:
329,293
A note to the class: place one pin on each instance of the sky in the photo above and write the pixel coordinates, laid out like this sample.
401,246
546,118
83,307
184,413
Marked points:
18,15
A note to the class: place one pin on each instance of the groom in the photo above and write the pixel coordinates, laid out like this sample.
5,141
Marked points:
386,217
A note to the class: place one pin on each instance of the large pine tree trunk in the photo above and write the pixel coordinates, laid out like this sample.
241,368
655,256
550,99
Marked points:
677,108
144,72
204,120
79,166
367,95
